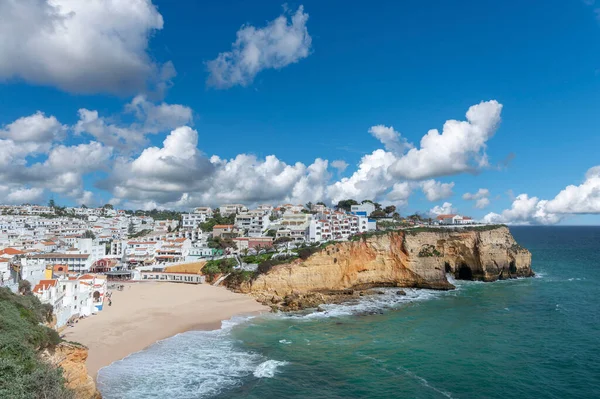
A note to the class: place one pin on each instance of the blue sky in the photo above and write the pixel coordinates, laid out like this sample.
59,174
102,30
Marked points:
407,65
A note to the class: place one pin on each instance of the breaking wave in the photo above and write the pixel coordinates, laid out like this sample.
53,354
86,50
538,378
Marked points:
268,369
195,364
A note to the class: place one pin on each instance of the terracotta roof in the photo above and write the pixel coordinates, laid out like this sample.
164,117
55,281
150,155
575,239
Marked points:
223,226
442,217
53,255
44,285
11,251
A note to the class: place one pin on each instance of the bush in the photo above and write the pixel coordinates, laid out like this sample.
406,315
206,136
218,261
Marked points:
22,337
238,277
305,253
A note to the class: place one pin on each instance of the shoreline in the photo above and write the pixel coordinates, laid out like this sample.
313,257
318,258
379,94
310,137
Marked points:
146,313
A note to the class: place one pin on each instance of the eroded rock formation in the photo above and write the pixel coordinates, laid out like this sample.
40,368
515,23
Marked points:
418,259
71,358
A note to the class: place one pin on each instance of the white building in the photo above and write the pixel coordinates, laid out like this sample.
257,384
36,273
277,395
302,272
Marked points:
204,210
453,219
191,221
365,209
231,209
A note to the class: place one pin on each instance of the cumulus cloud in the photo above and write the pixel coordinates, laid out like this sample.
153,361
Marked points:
36,128
151,118
581,199
391,139
159,117
179,175
81,46
17,194
435,190
371,180
524,210
339,165
459,148
445,209
274,46
481,198
400,193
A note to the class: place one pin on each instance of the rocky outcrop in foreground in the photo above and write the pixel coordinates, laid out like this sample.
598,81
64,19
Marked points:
71,358
410,258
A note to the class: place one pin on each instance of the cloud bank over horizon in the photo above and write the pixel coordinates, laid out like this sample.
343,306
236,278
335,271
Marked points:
178,173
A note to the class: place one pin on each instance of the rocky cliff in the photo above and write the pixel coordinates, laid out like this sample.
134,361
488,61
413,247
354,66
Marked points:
71,358
417,258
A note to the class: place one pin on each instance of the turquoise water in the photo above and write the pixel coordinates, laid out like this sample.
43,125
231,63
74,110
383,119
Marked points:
526,338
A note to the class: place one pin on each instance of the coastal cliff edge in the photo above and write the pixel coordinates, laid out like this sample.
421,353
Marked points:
419,258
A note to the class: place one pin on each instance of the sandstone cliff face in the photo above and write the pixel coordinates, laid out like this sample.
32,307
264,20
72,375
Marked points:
402,259
71,358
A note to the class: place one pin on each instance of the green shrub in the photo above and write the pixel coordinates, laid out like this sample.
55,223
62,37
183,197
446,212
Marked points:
23,374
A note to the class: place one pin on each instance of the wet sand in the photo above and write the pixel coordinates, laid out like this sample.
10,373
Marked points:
144,313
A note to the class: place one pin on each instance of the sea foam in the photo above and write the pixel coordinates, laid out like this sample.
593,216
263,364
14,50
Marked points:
194,364
268,369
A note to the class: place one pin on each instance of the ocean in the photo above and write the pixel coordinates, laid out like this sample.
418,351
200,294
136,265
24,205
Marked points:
527,338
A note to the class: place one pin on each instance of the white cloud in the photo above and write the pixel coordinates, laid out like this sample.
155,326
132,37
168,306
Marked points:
581,199
80,46
21,195
179,175
445,209
150,119
459,148
36,128
435,190
371,180
159,117
524,210
391,139
274,46
339,165
400,193
481,198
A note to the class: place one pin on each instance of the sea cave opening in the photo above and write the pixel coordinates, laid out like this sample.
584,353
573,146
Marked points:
464,272
447,267
512,267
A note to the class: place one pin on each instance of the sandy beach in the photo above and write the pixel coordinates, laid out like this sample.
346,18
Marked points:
144,313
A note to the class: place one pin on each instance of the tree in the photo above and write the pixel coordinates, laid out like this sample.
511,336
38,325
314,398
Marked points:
271,233
309,205
396,216
24,287
389,209
130,229
51,203
89,234
378,214
108,206
321,203
282,240
346,205
169,229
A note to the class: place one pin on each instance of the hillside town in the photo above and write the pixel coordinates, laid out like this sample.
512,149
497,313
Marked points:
70,257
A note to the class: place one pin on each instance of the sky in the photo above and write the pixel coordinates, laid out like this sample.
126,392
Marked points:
484,108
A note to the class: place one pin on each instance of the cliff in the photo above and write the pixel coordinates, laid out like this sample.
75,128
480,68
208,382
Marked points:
418,259
71,358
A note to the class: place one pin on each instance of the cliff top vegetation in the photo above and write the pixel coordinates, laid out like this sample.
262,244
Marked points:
23,337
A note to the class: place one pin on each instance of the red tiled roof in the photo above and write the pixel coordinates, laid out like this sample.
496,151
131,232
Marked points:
442,217
44,285
11,251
